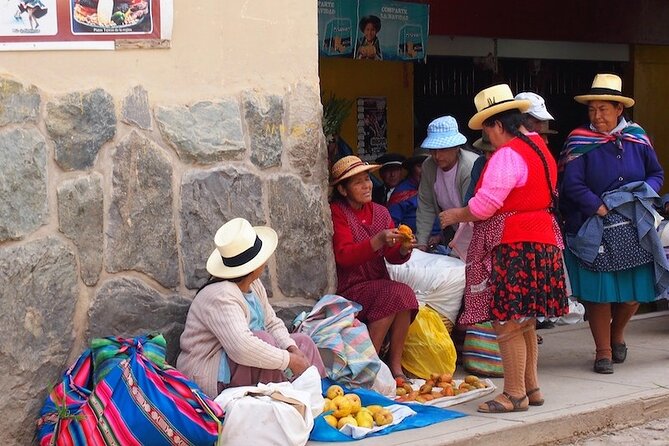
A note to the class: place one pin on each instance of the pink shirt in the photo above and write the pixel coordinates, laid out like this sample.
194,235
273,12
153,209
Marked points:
445,188
505,170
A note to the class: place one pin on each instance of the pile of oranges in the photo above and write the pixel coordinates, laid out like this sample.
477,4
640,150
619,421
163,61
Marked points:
437,386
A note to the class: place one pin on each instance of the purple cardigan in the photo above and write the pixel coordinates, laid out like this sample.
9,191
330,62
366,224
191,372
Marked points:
605,168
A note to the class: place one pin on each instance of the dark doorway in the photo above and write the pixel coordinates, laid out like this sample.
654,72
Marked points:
447,85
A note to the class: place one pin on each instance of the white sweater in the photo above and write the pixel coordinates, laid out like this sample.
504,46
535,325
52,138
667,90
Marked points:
218,320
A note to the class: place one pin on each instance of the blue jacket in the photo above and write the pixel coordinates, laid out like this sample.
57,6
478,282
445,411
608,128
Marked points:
587,178
636,202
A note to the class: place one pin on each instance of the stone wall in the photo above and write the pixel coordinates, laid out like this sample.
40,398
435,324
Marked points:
108,208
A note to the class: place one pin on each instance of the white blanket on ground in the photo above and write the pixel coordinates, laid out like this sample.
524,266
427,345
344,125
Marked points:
438,280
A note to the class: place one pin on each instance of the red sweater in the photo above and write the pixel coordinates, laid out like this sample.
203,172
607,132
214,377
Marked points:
532,222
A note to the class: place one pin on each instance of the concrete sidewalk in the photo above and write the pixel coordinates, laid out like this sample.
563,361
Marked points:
578,401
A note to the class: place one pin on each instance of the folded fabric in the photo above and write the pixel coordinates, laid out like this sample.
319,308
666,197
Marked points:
351,358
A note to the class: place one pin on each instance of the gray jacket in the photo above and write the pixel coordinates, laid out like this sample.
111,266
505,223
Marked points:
428,207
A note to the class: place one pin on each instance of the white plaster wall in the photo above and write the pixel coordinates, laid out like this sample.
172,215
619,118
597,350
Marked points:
218,46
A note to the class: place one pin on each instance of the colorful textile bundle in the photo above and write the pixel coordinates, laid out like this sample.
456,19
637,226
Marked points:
116,395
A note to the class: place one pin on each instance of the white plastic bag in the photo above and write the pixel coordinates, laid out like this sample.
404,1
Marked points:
384,383
437,280
271,414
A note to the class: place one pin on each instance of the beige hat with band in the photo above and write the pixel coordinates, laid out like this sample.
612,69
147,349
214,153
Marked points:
494,100
605,87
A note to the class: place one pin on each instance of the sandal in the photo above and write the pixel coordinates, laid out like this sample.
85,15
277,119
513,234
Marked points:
494,406
537,402
618,353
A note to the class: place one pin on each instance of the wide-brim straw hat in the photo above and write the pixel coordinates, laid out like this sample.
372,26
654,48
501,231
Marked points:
494,100
348,166
240,249
605,87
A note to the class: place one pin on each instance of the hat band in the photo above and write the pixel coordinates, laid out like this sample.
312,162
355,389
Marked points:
607,91
491,103
243,256
351,167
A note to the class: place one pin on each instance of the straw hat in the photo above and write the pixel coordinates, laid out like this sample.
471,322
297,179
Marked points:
348,166
442,133
494,100
605,87
240,249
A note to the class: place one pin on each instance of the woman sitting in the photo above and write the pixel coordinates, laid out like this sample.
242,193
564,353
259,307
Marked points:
232,335
364,235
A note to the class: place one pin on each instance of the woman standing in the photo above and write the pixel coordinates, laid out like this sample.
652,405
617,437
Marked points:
598,161
514,274
364,237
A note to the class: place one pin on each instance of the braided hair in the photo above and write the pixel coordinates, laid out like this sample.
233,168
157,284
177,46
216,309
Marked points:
511,120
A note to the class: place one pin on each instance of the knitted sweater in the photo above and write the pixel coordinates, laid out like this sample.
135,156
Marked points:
218,319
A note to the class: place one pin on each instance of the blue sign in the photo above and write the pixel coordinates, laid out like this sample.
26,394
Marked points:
373,29
336,21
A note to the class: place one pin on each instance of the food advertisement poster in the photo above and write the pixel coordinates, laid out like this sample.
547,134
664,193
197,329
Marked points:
379,29
81,24
372,127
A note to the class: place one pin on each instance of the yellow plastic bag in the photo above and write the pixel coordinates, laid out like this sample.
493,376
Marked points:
428,347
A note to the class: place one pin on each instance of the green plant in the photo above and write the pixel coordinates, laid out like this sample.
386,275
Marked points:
335,111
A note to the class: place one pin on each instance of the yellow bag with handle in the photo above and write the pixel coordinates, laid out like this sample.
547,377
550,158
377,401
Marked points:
428,347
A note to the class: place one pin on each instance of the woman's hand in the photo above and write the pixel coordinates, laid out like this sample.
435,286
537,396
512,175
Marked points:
450,217
298,362
407,245
387,237
602,210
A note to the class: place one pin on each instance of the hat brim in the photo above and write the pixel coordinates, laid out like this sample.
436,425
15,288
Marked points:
476,122
217,268
418,159
542,115
586,98
437,142
355,171
483,146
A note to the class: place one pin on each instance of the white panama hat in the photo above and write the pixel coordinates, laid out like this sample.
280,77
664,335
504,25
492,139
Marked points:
605,87
240,249
494,100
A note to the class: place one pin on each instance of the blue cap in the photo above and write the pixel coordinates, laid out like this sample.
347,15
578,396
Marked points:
442,133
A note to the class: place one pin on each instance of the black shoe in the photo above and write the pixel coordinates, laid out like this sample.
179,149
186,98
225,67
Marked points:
603,366
618,353
545,324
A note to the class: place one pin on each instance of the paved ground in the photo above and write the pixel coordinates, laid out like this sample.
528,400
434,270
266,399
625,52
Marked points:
579,403
653,433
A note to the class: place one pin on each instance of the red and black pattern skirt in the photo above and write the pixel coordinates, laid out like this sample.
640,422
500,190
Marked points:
527,280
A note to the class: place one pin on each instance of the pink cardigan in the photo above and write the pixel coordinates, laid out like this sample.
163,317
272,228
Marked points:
218,319
505,170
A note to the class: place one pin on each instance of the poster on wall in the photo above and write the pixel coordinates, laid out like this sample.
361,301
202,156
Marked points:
336,27
82,24
372,127
391,30
373,29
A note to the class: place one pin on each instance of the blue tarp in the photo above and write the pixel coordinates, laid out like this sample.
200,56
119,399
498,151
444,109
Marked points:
425,416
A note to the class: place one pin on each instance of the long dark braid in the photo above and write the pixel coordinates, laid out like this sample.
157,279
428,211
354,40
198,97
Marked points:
511,121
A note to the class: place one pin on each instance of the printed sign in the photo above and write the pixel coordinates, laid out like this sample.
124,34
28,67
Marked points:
372,127
81,24
373,29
